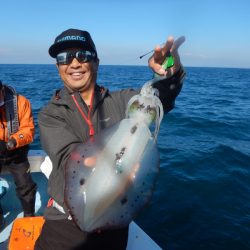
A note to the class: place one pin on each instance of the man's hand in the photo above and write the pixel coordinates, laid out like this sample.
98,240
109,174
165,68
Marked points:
160,53
11,144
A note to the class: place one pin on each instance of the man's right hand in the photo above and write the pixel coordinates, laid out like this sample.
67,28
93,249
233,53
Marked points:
171,46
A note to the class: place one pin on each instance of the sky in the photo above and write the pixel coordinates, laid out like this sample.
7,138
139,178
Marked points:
217,32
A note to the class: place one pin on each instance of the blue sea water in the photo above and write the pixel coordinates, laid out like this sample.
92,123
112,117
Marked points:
202,195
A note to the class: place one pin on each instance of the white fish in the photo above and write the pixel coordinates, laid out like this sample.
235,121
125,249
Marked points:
109,179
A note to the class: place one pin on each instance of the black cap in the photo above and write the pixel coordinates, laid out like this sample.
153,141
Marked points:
72,38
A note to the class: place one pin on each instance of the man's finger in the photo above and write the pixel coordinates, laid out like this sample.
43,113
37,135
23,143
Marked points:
168,45
177,43
157,54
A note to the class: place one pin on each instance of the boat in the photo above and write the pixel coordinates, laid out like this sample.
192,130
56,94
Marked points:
12,210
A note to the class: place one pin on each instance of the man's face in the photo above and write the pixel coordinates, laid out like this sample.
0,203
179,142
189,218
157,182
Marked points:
78,76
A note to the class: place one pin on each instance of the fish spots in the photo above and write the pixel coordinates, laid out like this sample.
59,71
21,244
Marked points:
124,200
149,109
133,129
141,106
136,199
118,160
119,155
73,175
82,181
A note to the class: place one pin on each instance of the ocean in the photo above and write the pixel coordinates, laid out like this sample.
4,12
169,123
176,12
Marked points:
202,195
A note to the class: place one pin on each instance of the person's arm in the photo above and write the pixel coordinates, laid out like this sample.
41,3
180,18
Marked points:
169,89
26,131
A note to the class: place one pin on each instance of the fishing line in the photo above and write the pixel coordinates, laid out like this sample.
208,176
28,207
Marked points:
146,54
149,52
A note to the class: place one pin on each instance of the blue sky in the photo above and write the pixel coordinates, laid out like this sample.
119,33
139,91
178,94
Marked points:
217,32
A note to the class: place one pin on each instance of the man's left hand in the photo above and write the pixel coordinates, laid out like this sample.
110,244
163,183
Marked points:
156,60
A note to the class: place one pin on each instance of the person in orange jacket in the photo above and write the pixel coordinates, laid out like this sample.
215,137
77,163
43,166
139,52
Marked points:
16,133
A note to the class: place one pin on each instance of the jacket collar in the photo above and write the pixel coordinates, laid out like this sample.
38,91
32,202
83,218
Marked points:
63,97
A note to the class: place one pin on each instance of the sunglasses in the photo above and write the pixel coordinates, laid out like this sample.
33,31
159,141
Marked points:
82,56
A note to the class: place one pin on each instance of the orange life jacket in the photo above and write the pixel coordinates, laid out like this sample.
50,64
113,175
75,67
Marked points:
16,119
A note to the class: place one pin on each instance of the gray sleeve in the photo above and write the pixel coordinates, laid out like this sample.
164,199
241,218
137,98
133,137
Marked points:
170,88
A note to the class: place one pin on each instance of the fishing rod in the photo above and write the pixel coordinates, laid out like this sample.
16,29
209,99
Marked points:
146,53
149,52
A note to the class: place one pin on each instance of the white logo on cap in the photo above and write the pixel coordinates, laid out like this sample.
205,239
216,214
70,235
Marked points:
74,38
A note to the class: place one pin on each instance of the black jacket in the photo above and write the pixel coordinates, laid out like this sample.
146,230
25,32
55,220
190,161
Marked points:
62,127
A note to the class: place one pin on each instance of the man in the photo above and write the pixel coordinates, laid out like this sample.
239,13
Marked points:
77,112
16,133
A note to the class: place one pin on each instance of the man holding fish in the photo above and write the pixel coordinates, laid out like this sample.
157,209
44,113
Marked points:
79,111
